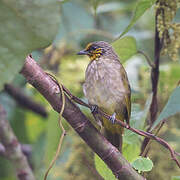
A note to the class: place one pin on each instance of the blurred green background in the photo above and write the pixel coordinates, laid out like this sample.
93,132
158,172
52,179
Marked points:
82,22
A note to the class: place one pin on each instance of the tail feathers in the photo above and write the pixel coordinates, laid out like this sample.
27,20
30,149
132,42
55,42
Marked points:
115,139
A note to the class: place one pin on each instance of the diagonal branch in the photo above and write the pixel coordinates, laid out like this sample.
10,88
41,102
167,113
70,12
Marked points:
49,89
24,101
147,135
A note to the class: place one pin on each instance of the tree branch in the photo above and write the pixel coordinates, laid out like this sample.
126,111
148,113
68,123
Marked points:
25,148
150,63
107,152
154,80
24,101
147,135
13,149
155,73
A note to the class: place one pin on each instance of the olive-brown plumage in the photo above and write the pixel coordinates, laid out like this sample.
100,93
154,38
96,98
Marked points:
106,85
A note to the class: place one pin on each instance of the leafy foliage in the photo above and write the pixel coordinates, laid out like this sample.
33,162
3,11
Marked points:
140,9
25,26
125,47
142,164
171,108
131,151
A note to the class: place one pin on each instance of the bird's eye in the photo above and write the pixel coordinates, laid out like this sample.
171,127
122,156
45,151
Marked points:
92,48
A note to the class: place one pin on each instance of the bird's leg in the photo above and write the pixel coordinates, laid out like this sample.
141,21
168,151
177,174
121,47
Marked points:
94,109
97,117
113,118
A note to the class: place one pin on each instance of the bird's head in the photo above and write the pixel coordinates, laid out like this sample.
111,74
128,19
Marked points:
96,49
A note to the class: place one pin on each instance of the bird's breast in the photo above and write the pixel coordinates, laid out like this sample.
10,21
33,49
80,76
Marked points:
102,82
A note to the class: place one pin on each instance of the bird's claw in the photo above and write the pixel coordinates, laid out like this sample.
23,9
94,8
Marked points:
113,118
94,109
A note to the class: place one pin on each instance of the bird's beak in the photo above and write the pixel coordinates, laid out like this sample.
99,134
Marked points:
83,52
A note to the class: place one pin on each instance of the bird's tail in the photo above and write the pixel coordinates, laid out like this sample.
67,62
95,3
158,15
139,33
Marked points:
115,139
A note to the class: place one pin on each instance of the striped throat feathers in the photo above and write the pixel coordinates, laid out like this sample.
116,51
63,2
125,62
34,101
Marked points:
92,50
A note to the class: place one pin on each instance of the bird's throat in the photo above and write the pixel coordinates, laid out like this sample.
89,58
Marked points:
94,57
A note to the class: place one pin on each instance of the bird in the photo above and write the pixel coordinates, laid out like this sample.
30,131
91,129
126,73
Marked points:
107,87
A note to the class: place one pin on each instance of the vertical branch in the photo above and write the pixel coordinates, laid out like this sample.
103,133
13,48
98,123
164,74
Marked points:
154,80
155,74
13,149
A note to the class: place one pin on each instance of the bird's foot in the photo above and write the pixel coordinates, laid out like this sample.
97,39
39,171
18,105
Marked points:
94,109
113,118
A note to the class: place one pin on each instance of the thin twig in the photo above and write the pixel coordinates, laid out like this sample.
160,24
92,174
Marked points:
146,149
123,124
60,125
147,135
151,64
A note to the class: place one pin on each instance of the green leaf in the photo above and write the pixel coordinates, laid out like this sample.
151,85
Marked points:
125,47
103,169
138,116
140,9
25,26
131,151
142,164
175,178
171,108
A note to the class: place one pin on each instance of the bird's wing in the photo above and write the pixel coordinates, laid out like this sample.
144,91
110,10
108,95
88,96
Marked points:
128,107
127,94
